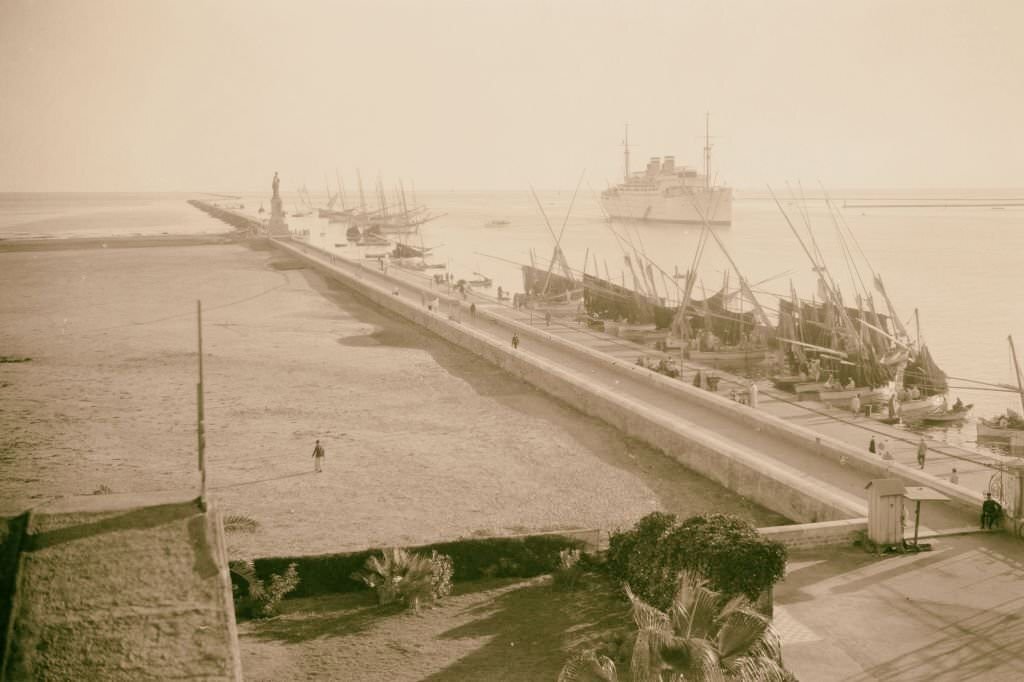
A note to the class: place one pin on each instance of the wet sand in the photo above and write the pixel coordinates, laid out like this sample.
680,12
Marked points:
424,442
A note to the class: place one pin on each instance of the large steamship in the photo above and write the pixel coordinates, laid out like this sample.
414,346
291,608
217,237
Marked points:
664,192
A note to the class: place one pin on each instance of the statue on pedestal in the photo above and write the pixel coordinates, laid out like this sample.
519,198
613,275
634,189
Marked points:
276,225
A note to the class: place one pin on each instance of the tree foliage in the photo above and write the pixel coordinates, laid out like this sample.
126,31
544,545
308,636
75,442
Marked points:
725,549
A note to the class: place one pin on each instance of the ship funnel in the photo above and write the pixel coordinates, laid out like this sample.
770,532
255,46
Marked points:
668,166
654,165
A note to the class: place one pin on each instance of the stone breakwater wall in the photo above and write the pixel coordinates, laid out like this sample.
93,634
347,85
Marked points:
241,222
798,497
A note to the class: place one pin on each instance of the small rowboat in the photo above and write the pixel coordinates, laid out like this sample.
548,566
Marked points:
947,416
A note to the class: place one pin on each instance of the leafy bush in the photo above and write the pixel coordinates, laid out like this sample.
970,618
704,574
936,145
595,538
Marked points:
473,558
441,574
259,599
725,549
407,578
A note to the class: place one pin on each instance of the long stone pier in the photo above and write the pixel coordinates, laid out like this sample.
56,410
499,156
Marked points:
805,475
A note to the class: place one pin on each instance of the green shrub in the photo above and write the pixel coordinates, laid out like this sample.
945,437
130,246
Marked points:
407,578
441,572
256,598
725,549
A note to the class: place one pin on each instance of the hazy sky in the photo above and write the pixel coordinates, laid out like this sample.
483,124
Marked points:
189,95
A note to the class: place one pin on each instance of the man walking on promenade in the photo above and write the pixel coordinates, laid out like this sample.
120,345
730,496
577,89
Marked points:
922,451
318,457
990,510
871,446
515,340
855,404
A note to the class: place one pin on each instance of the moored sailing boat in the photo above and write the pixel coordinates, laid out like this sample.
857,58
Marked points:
1009,427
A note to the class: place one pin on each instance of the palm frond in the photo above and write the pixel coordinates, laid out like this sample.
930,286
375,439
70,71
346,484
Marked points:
588,666
646,664
756,669
741,632
704,613
646,616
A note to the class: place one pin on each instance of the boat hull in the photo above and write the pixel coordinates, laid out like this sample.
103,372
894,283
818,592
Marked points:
991,433
690,207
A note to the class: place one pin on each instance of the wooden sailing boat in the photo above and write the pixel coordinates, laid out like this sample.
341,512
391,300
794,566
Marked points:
853,345
1009,427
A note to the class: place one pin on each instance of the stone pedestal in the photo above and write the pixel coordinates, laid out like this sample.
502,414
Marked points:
276,225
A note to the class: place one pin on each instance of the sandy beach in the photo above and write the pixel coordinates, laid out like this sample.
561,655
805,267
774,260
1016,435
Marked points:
423,442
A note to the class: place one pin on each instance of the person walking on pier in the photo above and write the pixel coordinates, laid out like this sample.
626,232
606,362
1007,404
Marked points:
922,452
515,340
871,446
318,457
855,404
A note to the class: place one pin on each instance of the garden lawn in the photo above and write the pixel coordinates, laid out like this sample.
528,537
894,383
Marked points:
485,630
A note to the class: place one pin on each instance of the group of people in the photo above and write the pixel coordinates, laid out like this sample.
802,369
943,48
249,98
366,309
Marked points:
881,448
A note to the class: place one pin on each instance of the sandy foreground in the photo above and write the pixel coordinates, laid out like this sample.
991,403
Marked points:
424,442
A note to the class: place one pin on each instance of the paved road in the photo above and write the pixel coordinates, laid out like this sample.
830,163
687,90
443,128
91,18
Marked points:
639,387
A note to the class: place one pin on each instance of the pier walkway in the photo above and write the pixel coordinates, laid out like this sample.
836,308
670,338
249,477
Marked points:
601,360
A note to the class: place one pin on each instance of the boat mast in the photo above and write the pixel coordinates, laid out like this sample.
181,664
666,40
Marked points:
707,150
625,146
1016,367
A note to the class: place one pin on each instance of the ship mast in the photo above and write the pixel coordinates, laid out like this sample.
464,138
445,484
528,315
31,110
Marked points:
707,150
1016,367
625,145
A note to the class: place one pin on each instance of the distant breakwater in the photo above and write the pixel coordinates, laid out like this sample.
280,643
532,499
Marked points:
244,224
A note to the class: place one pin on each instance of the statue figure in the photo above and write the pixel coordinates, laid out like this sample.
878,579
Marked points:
275,184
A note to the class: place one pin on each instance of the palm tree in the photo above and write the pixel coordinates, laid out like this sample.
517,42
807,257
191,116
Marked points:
703,638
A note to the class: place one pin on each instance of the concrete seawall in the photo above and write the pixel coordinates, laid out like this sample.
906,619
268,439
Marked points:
783,490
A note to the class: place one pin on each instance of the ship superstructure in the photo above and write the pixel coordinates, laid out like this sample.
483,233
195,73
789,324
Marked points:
665,192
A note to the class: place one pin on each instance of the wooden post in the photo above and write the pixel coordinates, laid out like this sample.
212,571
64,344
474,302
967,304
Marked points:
200,426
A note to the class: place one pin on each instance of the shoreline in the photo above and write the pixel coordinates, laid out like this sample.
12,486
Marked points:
19,244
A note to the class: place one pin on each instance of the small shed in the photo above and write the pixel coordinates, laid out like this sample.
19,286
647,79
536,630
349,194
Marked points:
885,511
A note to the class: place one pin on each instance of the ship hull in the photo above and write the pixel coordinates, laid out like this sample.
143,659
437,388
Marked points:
714,204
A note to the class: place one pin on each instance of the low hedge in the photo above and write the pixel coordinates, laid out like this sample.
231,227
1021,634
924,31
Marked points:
521,557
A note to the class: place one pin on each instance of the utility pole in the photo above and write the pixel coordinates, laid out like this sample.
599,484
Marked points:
200,426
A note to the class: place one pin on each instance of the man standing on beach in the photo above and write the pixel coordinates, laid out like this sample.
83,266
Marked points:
922,451
318,457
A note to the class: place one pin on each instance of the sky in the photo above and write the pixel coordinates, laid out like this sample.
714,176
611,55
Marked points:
194,95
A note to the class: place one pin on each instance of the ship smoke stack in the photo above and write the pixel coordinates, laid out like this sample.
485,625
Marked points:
654,165
668,167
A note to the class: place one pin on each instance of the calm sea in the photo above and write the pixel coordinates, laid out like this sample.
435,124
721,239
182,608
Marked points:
961,267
